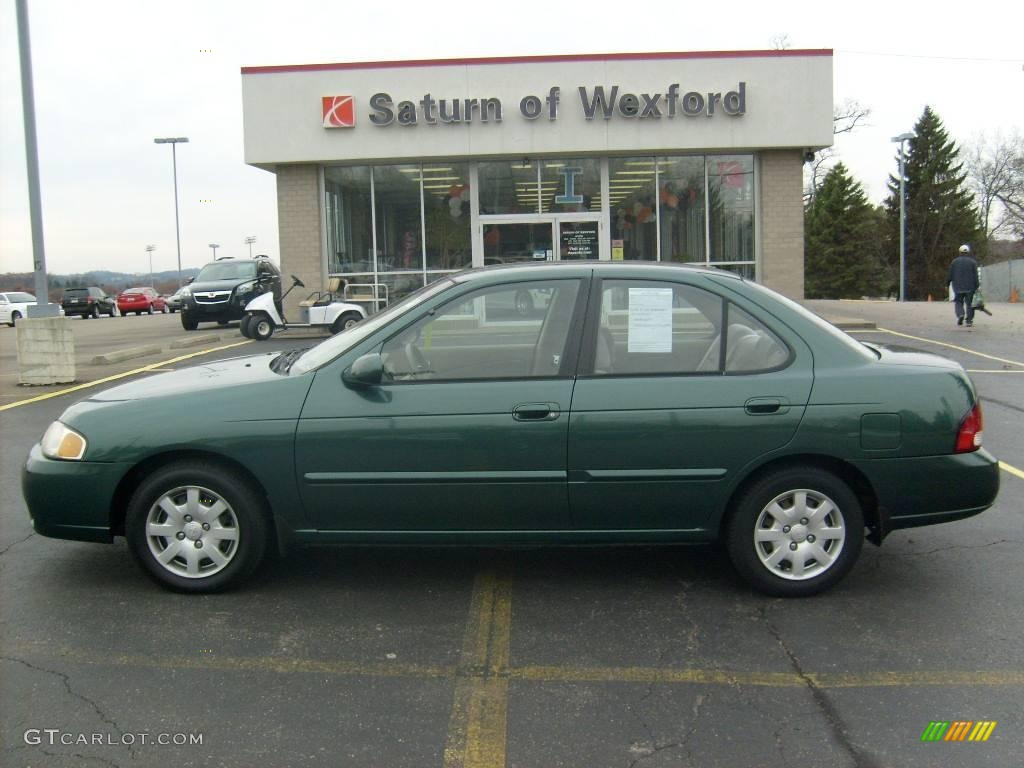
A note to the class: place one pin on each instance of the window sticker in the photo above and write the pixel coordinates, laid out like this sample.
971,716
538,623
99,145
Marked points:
650,320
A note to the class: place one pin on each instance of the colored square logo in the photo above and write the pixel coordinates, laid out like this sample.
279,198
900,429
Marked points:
339,112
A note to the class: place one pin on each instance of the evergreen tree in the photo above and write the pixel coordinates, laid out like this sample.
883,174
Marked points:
940,212
842,249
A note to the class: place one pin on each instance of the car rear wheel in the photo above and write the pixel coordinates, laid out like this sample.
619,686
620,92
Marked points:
114,311
243,326
187,322
345,321
261,327
149,310
15,317
524,303
197,528
795,532
95,313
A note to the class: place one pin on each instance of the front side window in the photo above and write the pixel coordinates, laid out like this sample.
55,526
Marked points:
510,331
648,327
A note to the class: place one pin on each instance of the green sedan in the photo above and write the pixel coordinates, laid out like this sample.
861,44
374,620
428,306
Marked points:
635,403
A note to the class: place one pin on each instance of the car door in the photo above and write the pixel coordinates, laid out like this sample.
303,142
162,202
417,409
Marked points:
683,389
468,429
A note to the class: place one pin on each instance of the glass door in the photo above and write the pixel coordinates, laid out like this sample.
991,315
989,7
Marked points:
507,241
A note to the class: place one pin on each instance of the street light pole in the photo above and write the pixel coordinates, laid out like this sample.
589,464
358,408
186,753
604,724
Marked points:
215,246
174,163
249,241
901,139
149,250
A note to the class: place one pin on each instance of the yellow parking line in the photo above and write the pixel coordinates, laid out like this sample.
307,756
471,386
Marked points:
116,376
952,346
1011,469
477,726
481,714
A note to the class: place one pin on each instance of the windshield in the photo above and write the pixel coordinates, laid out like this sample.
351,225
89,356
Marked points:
334,346
21,298
227,270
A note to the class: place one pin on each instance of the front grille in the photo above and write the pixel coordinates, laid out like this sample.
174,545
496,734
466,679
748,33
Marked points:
211,297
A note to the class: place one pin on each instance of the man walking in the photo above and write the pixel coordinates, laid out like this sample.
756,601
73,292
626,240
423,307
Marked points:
963,276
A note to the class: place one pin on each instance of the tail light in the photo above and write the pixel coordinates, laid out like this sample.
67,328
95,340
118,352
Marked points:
968,437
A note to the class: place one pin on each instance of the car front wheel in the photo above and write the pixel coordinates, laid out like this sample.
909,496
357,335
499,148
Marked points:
197,528
795,532
187,322
15,317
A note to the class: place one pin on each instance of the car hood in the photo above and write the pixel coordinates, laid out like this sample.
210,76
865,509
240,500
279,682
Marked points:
194,381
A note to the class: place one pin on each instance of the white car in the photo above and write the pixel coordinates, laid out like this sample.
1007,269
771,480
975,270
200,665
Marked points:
14,306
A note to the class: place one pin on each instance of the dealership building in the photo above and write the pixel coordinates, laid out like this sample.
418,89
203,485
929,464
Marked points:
395,173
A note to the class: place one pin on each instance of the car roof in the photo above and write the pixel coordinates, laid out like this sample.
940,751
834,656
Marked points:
603,268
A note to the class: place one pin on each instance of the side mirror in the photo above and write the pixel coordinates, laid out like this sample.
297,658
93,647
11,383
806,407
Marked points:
367,371
190,281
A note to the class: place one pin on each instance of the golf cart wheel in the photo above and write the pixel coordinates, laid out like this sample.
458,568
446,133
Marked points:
261,327
345,321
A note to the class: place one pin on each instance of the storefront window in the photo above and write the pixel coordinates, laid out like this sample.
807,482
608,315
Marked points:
570,186
446,200
682,213
396,191
349,232
508,186
632,198
731,203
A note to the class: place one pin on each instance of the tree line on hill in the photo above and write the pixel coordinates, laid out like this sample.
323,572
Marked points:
111,282
851,247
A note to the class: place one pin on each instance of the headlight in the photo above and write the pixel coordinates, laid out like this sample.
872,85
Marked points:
61,442
245,289
186,292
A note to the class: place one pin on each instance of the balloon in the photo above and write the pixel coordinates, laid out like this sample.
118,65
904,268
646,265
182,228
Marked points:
465,194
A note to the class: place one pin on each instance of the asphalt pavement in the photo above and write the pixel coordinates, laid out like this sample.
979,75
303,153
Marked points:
527,658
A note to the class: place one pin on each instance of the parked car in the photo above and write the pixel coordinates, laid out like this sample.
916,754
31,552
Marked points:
88,302
646,403
14,306
223,288
174,301
139,300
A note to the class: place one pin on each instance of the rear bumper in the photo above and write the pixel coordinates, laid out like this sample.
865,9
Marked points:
70,499
928,490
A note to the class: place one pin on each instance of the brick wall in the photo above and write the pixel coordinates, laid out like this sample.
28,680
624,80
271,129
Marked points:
298,220
782,222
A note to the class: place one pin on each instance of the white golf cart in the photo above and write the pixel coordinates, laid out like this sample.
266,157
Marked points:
329,310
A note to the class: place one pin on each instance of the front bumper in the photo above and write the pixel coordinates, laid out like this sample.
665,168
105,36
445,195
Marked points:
232,309
70,499
928,490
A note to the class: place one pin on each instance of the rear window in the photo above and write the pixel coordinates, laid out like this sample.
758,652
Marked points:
75,293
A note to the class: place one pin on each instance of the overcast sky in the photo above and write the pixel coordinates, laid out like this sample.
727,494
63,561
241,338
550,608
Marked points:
112,75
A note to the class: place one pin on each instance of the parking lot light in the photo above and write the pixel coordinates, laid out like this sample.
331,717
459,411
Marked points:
149,250
903,137
214,247
174,162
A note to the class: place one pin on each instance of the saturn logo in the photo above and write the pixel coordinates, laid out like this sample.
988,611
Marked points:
339,112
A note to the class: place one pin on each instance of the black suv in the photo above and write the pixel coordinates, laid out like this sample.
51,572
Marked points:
88,302
223,288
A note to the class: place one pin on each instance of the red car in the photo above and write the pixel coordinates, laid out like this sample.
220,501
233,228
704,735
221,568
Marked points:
139,300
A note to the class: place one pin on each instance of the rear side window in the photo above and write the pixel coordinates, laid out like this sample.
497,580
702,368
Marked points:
750,346
653,327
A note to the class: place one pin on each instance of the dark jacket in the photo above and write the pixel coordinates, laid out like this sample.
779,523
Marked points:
963,274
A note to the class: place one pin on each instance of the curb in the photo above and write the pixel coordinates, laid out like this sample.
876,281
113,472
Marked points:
126,354
194,341
855,325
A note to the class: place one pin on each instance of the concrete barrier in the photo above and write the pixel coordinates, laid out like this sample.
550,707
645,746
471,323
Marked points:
127,354
46,351
194,341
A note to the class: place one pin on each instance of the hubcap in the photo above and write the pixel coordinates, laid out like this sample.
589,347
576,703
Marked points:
799,534
192,532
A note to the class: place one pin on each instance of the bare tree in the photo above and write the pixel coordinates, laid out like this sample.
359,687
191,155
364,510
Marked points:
995,172
780,41
846,118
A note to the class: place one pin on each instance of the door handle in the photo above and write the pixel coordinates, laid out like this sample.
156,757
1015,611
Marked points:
765,406
536,412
